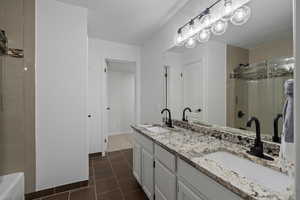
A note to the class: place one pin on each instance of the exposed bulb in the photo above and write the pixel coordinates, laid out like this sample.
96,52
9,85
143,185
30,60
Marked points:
190,43
205,20
191,28
228,9
219,27
204,35
179,38
241,15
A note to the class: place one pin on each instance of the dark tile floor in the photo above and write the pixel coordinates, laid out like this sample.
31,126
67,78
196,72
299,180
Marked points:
111,178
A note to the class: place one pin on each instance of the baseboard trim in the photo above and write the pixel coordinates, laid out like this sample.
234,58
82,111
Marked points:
54,190
95,155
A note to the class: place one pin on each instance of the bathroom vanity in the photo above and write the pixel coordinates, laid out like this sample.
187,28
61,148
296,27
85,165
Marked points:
193,164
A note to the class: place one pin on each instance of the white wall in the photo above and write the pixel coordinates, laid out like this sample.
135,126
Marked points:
61,88
99,50
121,101
152,62
215,83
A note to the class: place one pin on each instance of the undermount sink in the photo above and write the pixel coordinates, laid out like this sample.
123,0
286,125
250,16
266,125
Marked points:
262,175
157,129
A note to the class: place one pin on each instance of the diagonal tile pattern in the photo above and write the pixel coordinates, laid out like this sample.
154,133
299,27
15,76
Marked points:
111,178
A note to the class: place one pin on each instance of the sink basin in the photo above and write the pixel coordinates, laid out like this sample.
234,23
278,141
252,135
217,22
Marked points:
264,176
156,129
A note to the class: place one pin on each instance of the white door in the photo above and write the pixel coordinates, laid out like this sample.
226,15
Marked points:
165,182
193,89
105,109
137,161
147,173
184,193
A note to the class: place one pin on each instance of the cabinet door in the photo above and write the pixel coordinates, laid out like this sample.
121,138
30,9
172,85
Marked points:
137,161
147,173
184,193
165,182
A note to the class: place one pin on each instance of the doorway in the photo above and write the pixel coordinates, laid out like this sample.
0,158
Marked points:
121,106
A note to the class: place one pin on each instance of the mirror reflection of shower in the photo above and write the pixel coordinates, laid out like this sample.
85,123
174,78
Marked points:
5,50
259,91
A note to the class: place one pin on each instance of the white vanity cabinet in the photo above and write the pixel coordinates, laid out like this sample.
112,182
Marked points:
143,163
136,167
163,176
147,173
184,193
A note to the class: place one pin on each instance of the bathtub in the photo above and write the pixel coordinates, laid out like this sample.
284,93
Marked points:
12,187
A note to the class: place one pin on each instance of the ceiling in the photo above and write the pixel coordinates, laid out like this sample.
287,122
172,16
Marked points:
129,21
270,20
134,21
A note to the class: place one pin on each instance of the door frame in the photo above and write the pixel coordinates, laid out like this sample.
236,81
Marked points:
105,105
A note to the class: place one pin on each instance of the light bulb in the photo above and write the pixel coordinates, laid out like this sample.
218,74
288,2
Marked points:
190,43
241,15
204,35
228,9
219,27
191,28
206,20
179,39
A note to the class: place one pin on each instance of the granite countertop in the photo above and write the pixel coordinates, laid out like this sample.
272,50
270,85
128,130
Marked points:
191,146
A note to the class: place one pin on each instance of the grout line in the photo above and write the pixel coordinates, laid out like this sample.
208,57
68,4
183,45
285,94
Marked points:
94,180
118,182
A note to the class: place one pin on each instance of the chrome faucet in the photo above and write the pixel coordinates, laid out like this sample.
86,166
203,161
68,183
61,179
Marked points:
184,118
169,120
276,137
258,148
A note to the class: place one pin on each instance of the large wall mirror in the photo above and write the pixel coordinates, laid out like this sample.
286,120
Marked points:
237,75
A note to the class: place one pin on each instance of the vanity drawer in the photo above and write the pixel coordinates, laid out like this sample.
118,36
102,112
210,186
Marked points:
145,142
203,184
165,157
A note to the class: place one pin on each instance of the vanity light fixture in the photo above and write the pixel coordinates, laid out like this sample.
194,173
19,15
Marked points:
214,19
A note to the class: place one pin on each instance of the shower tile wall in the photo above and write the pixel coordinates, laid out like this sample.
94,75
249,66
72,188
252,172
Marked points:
236,56
17,132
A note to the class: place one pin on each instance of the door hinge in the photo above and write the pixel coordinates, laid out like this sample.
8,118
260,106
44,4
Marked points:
153,164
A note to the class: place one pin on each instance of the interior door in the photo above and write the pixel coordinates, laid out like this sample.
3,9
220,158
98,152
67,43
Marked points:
192,75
